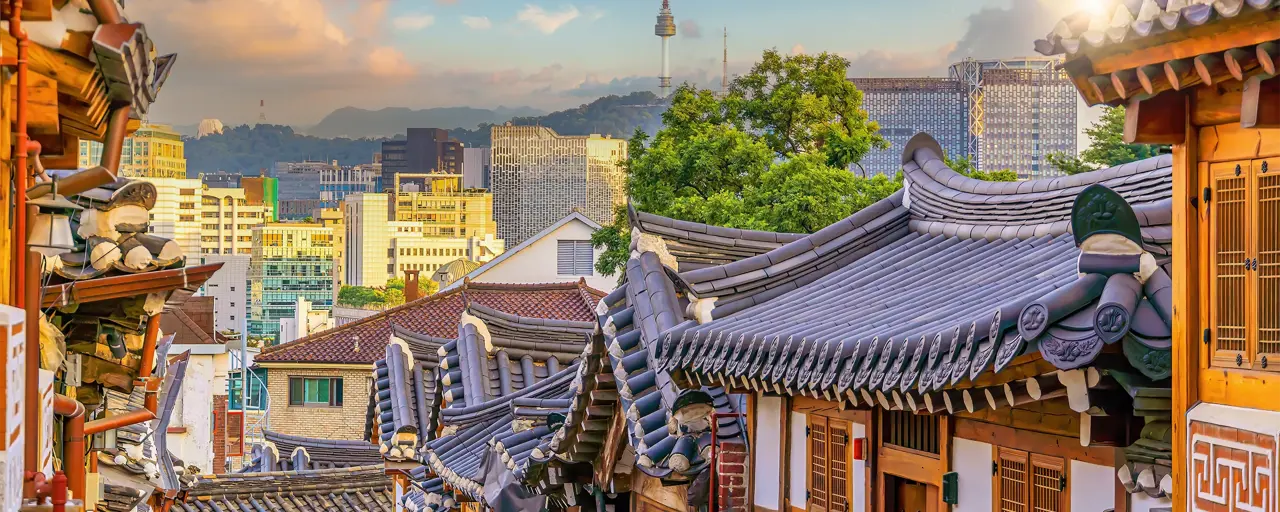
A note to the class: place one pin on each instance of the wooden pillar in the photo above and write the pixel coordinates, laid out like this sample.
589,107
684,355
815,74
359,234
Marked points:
1186,314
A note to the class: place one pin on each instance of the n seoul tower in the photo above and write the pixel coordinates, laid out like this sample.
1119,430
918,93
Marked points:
665,28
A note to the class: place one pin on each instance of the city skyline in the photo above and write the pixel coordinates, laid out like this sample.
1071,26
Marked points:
539,54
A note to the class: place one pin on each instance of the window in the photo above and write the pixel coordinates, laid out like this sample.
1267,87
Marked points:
1244,264
315,391
1029,482
829,464
918,432
257,388
574,257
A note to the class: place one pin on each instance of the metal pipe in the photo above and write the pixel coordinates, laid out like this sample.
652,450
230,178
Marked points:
73,444
59,494
106,12
149,347
120,420
20,167
32,363
113,144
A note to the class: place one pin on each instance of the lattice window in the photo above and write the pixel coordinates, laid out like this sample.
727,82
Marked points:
1011,481
1267,269
1228,211
1029,482
1047,484
912,431
829,442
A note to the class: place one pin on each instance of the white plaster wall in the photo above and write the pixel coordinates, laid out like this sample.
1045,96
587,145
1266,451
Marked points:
768,444
799,465
971,460
537,262
1142,503
195,448
1092,487
858,469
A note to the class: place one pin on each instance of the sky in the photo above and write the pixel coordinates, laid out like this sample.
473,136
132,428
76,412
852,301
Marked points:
305,58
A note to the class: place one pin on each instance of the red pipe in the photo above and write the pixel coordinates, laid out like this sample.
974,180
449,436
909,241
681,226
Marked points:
149,348
59,492
20,148
32,363
73,447
120,420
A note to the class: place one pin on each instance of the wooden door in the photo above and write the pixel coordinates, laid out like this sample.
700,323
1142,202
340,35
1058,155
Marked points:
1048,484
1264,273
1229,286
828,477
911,496
1011,481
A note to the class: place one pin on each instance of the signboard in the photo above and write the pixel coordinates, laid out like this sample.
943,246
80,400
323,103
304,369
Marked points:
12,365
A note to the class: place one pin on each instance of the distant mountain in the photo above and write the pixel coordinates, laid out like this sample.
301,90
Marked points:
247,149
387,122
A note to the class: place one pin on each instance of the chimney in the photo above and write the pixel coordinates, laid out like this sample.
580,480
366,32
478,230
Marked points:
410,286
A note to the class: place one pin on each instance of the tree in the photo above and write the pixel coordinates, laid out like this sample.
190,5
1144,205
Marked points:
388,296
964,167
773,154
1107,147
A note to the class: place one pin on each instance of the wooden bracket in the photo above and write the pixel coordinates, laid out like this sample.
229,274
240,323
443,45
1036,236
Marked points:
1160,119
1260,107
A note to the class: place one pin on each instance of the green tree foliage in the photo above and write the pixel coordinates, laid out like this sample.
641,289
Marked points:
964,167
615,116
771,155
1107,147
391,295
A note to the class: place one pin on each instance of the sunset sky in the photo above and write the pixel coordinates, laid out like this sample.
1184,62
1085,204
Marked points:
308,57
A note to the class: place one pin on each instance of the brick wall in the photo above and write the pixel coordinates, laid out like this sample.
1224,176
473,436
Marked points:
346,422
219,434
731,476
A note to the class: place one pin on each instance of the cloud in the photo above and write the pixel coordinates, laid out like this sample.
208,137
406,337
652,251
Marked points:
413,21
886,63
690,29
388,62
477,22
997,33
797,49
547,21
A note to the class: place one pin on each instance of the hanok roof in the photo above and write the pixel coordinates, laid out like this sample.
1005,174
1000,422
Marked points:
1099,47
364,341
191,324
283,452
934,286
696,246
356,489
453,271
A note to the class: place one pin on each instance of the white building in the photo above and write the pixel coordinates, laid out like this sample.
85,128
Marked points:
226,236
229,288
305,322
560,253
336,182
176,213
477,164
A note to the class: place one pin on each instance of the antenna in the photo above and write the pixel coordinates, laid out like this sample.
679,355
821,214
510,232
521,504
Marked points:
262,111
724,77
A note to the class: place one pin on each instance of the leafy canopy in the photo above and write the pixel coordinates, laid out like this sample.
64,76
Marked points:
391,295
773,154
1107,147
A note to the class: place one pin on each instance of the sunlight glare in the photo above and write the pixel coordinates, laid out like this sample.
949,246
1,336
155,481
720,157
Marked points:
1095,7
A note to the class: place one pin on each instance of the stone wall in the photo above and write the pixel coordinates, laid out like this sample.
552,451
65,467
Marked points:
345,422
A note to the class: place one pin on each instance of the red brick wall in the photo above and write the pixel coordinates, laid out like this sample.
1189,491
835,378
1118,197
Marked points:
219,434
732,476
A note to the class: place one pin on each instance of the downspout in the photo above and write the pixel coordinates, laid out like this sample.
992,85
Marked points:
113,144
107,12
20,156
73,446
32,363
150,399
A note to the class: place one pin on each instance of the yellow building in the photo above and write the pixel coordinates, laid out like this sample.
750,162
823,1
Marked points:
447,209
155,150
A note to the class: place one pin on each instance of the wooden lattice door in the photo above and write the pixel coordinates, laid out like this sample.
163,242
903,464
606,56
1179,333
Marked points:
1230,261
1264,270
1011,481
1048,484
828,464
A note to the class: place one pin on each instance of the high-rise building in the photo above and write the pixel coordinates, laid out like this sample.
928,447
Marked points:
540,176
155,151
1020,111
477,164
176,213
906,106
338,181
289,260
227,220
301,180
379,247
423,151
332,219
446,209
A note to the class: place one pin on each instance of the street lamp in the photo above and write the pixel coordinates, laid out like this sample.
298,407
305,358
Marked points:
50,231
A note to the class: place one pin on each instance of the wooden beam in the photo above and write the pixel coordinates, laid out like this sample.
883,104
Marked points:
1240,61
1153,79
42,105
74,75
1156,120
1211,67
1065,446
1268,54
1046,387
1103,88
1181,74
1216,105
1242,31
996,398
1126,83
1260,107
32,10
1077,389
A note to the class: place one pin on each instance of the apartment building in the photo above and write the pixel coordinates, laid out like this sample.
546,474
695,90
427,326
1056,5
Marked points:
289,260
154,151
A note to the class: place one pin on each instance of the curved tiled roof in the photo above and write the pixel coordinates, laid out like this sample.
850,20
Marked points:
982,268
356,489
293,453
697,246
364,341
1131,20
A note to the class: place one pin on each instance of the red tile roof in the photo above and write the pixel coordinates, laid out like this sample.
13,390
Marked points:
437,316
